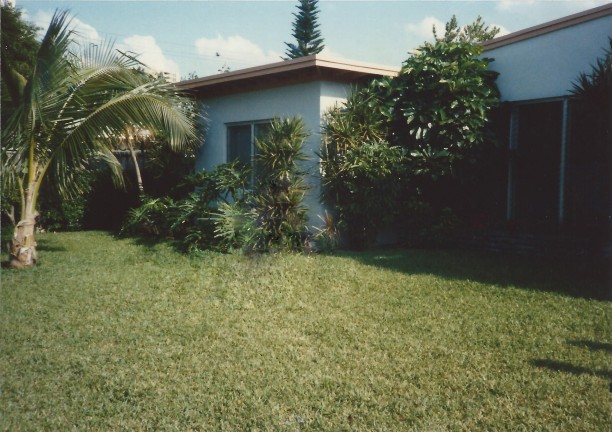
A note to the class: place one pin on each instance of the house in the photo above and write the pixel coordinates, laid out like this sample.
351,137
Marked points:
239,104
558,172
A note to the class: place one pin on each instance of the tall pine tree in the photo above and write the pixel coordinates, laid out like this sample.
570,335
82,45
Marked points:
305,31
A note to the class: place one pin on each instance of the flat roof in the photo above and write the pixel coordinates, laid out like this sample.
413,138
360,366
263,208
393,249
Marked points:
548,27
301,69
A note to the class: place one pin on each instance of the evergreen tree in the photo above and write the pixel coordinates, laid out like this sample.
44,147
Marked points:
305,31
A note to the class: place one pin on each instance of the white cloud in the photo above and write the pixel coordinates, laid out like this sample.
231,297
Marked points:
236,52
146,50
502,30
423,29
330,53
83,33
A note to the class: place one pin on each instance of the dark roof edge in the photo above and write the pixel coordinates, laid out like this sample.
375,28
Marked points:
286,66
549,27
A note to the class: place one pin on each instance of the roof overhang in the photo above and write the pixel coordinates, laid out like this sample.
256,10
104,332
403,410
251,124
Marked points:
548,27
295,71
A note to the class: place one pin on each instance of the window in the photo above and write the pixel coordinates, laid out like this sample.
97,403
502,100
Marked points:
241,140
536,163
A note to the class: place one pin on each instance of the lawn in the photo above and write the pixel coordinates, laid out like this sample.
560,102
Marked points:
110,334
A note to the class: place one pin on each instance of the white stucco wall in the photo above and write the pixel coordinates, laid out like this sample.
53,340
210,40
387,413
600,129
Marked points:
545,66
308,100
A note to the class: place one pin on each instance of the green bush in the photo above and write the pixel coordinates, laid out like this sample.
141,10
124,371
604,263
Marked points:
271,216
235,227
66,211
190,219
364,184
442,100
279,187
403,150
151,218
363,176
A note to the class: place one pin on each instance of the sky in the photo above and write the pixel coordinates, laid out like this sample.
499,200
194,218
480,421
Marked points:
203,37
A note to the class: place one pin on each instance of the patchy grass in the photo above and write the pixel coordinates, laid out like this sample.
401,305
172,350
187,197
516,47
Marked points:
110,334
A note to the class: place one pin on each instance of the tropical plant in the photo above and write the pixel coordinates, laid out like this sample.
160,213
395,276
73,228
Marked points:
69,112
364,117
363,185
66,213
327,236
151,218
473,33
596,85
144,142
280,187
19,47
235,227
362,173
271,216
190,219
305,31
443,97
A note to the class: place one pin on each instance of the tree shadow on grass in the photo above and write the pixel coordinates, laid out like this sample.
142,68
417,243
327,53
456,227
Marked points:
592,345
559,366
43,245
569,277
151,243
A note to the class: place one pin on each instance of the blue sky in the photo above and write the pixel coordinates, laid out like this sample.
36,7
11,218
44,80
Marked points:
181,37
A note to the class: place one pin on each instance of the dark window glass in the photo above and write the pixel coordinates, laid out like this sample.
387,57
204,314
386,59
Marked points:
588,176
239,144
537,164
241,141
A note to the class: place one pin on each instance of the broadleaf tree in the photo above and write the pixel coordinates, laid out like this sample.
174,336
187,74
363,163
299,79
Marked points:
306,31
70,111
443,97
475,32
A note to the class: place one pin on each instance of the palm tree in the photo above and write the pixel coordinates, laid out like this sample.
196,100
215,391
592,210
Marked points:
132,138
70,110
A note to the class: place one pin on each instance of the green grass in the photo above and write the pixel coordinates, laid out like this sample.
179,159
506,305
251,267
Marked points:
110,334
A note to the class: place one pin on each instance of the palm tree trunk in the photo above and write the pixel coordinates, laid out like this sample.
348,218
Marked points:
137,168
23,247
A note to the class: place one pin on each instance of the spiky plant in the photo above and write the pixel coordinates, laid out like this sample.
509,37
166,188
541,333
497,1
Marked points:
280,188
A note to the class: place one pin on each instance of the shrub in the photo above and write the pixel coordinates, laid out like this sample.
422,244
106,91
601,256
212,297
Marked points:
279,187
151,218
65,211
271,216
235,227
406,146
364,184
327,237
363,175
189,220
442,99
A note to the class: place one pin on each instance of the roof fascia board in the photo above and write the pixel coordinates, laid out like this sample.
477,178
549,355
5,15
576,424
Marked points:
548,27
301,63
